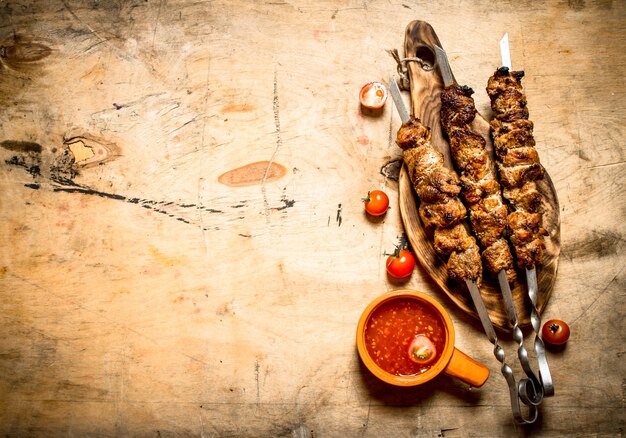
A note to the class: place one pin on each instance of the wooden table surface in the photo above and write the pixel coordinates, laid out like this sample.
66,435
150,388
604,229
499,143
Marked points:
184,249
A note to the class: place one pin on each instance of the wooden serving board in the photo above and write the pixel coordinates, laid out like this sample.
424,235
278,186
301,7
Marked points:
426,85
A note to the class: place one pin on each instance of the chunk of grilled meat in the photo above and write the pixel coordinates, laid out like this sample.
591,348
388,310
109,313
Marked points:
480,187
440,209
454,238
498,257
442,214
526,197
518,165
466,264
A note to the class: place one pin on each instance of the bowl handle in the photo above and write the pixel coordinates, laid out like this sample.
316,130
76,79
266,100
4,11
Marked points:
466,369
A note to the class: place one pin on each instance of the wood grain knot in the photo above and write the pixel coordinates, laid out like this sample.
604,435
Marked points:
253,173
89,151
237,108
19,51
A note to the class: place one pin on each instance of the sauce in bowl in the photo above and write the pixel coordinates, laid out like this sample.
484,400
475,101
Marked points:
391,328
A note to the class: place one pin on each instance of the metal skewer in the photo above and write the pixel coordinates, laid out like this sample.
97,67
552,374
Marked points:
525,390
531,277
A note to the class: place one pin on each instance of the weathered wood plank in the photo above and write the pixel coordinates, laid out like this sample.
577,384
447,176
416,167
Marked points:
141,296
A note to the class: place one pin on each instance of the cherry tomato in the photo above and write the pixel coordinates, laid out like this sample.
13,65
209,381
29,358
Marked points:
555,332
421,350
376,203
373,95
400,264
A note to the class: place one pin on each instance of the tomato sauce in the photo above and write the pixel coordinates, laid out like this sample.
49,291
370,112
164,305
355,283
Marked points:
391,328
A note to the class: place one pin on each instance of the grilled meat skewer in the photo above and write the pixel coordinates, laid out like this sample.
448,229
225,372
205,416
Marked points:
441,210
480,187
518,165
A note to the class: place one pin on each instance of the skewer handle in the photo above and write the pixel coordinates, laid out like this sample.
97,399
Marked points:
516,390
535,321
531,389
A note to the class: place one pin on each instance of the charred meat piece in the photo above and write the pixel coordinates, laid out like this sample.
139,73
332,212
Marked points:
474,191
441,211
518,165
488,220
443,214
503,79
438,186
463,265
423,161
516,176
512,138
510,105
468,152
450,239
498,257
526,197
480,187
520,156
524,227
457,107
499,128
413,134
530,254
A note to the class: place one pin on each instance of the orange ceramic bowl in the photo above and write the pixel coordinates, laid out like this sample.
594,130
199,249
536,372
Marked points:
452,361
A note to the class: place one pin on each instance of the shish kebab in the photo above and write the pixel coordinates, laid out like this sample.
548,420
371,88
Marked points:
519,168
442,212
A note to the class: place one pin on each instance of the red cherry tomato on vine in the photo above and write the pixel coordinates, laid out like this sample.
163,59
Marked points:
376,203
421,350
555,332
400,264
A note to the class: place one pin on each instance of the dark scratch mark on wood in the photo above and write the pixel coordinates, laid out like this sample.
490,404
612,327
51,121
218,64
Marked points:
21,146
32,167
256,379
600,166
183,125
367,419
600,294
73,14
88,191
102,41
156,23
339,219
276,110
288,204
210,210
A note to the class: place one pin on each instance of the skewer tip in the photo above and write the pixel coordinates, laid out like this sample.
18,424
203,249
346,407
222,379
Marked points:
505,53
